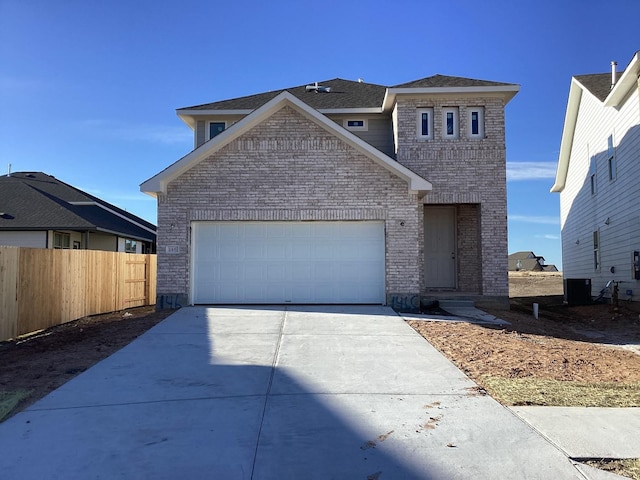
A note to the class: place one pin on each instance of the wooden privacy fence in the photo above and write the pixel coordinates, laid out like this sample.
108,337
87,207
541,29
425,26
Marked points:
40,288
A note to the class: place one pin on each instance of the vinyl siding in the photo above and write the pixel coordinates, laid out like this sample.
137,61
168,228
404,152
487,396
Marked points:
379,133
618,200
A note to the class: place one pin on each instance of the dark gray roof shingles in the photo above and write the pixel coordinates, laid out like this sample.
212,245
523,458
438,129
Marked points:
344,93
34,200
599,84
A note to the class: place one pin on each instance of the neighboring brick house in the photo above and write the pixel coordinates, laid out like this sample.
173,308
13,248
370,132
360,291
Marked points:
40,211
339,192
599,181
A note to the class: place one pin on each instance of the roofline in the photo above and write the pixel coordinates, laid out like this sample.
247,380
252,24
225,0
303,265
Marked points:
510,90
188,115
627,81
570,120
113,212
158,183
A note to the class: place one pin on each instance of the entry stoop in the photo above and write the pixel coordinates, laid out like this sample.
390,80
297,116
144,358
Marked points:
456,303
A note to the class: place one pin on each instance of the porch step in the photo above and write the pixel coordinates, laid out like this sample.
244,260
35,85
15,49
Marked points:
456,303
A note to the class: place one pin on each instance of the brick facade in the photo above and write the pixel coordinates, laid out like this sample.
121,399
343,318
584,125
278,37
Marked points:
468,173
288,168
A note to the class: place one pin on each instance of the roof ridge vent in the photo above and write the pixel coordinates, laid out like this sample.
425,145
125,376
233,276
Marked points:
317,88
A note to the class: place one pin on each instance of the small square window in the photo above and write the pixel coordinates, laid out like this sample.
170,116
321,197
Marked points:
425,123
61,240
450,122
216,128
130,246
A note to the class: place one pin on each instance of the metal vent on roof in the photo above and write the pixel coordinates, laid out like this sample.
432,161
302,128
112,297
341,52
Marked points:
318,88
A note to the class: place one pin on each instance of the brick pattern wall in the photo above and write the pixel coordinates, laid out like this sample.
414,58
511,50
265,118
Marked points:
464,172
288,168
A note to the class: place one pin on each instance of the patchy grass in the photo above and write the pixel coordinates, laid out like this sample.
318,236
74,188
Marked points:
629,467
9,401
545,392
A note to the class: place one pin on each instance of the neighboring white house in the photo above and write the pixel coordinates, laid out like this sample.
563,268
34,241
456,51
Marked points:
598,179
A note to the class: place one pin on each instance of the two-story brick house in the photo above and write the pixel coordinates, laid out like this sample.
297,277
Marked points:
599,182
339,192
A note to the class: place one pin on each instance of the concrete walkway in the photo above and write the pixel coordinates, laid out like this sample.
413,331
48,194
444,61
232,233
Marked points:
276,393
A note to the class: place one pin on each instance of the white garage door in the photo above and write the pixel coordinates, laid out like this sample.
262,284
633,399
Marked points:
288,262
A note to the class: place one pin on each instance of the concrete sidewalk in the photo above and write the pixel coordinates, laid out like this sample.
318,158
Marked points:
276,393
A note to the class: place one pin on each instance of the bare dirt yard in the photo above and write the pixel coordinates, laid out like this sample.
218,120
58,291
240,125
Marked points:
592,344
39,363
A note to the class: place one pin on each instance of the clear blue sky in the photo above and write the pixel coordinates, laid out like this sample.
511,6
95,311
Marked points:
88,89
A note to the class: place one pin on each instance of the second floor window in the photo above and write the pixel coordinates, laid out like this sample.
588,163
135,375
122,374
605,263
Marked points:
476,122
215,128
611,158
592,176
425,123
450,122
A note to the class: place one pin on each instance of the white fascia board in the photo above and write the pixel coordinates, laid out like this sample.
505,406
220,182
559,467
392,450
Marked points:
626,82
158,183
568,131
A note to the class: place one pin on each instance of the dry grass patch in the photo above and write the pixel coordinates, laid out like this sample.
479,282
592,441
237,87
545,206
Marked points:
546,392
629,467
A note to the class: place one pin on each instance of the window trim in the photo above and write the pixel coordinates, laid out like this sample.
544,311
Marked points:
130,242
208,130
456,123
362,128
480,112
419,131
62,235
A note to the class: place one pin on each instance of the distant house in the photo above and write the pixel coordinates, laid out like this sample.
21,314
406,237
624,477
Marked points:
339,192
599,180
528,262
38,210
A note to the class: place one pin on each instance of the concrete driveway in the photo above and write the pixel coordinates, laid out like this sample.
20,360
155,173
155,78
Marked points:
275,393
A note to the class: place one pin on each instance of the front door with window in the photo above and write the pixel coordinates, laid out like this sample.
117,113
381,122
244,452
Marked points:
440,247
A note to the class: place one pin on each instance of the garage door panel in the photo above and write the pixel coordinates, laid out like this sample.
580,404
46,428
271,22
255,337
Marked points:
288,262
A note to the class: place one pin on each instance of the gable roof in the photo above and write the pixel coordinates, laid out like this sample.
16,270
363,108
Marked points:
37,201
596,85
158,183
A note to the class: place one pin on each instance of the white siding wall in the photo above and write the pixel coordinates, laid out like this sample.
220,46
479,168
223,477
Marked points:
24,239
619,200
